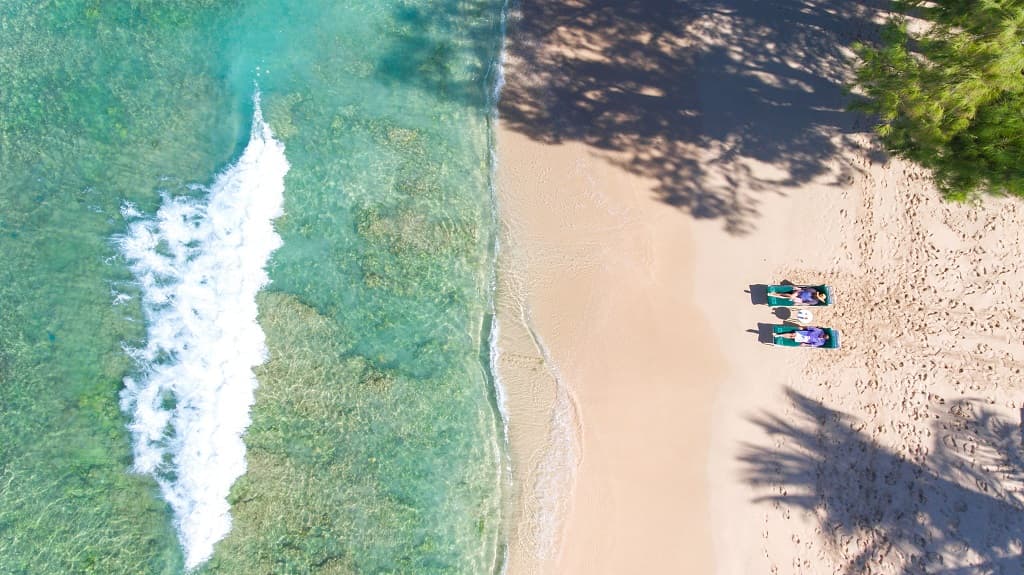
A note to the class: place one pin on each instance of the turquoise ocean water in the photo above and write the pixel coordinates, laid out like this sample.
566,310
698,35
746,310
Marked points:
196,196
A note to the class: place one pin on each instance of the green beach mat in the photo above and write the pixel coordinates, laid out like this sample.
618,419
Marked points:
775,301
832,343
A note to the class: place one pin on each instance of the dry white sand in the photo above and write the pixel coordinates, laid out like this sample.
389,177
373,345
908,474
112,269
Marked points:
657,162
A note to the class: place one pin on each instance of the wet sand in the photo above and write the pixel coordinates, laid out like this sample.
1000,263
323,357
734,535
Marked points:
605,276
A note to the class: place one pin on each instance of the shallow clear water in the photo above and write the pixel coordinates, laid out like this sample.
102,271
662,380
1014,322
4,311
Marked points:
373,445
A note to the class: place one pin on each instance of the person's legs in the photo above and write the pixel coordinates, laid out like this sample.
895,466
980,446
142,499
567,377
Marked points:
788,335
790,295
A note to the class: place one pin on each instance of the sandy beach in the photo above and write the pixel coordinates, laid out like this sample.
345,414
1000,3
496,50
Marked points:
658,164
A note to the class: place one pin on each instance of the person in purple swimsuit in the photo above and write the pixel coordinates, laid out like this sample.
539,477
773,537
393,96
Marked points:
807,337
802,296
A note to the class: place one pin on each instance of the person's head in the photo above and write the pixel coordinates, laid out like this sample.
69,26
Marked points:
820,295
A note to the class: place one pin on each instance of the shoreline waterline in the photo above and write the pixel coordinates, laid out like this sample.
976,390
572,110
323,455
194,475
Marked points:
540,463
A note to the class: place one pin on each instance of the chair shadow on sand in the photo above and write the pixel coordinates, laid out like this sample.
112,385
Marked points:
950,505
764,333
758,294
764,330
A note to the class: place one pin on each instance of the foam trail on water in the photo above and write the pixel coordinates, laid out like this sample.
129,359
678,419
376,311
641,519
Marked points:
200,263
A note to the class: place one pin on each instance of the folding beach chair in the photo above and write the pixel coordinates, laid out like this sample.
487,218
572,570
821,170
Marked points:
832,341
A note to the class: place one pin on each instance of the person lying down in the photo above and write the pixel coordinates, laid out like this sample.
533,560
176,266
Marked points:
802,296
807,337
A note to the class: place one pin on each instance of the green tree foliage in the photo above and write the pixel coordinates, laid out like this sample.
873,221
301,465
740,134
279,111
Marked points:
951,96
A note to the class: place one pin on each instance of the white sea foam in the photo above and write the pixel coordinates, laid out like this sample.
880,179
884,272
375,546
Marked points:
128,210
200,263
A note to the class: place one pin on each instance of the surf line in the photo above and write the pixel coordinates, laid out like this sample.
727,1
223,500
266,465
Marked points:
200,263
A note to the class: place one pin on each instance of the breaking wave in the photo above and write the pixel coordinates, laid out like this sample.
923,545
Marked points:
200,263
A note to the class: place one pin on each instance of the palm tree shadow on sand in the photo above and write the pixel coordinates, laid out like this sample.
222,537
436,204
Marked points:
722,104
954,507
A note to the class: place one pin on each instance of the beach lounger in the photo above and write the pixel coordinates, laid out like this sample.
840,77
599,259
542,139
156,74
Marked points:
776,301
832,343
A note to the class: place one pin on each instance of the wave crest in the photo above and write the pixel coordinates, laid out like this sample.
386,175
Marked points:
200,264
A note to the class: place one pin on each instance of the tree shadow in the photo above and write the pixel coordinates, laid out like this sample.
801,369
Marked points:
721,103
447,49
954,507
